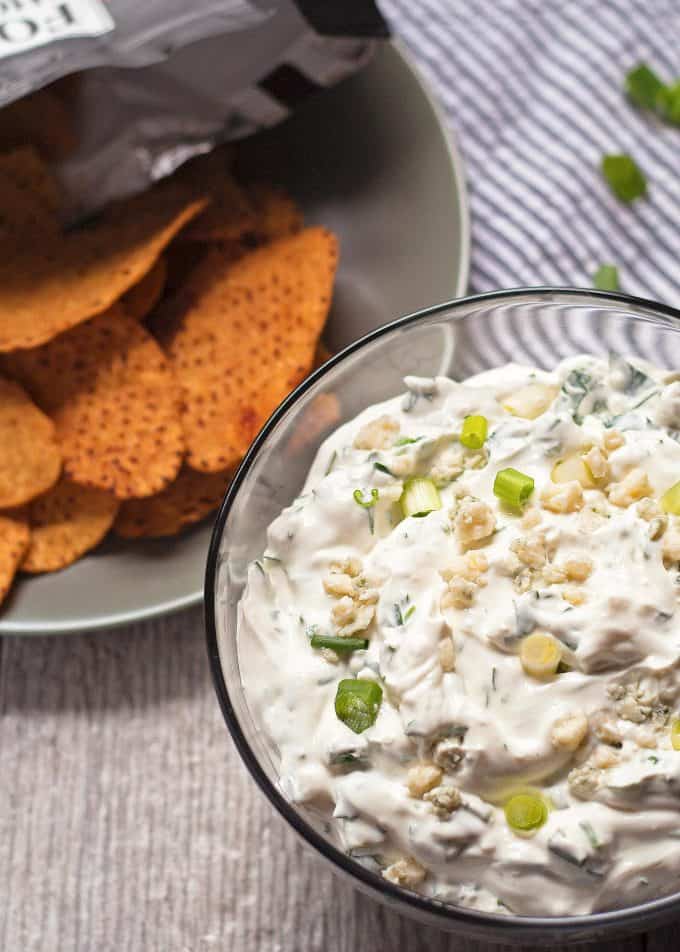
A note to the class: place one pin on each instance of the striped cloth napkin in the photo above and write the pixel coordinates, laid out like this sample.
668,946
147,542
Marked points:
534,91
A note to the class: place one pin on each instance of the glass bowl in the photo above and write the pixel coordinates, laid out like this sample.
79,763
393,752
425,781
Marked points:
538,326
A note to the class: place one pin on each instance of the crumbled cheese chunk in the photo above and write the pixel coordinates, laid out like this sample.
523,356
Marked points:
604,757
577,570
562,497
474,521
444,800
671,542
423,778
597,463
448,754
573,595
569,731
613,440
378,434
632,487
463,577
531,518
447,654
405,872
584,780
356,599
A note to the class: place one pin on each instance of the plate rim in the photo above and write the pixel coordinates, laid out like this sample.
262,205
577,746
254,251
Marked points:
158,610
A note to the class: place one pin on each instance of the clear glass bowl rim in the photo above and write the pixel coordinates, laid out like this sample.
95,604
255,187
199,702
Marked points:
447,917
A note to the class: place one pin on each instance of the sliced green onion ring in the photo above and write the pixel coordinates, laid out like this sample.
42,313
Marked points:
624,177
644,87
420,497
366,503
339,644
357,702
513,487
526,812
474,432
670,501
606,278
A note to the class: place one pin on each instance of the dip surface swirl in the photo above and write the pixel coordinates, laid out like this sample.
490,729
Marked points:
498,728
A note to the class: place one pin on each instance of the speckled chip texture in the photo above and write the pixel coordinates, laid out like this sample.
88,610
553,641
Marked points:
277,215
189,499
14,540
142,297
230,214
246,338
30,460
65,523
50,285
111,393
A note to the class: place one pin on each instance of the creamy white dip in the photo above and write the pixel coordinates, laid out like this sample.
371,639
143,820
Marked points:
446,601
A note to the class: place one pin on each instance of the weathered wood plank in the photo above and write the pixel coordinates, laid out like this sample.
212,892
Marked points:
129,823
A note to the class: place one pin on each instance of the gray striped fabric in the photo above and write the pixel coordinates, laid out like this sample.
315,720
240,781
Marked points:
534,91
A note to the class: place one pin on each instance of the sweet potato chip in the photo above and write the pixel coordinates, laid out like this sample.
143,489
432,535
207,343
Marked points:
110,391
276,213
40,119
246,338
30,459
28,172
142,297
49,286
230,214
189,499
14,539
66,522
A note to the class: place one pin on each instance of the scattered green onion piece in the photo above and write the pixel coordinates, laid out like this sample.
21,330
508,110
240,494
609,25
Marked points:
339,644
624,177
357,702
675,734
474,432
644,87
382,468
526,812
670,501
420,497
513,487
406,440
366,503
606,278
669,103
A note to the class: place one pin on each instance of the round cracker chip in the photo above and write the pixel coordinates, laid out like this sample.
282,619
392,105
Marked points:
189,499
112,395
14,540
247,336
30,459
141,299
66,522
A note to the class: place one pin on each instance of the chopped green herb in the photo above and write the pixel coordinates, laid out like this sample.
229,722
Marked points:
409,612
590,834
606,278
260,566
406,440
669,103
382,469
624,177
339,644
644,87
513,487
357,702
653,760
474,432
366,503
331,462
420,497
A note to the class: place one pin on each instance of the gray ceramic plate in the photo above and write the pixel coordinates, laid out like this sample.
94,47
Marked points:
371,160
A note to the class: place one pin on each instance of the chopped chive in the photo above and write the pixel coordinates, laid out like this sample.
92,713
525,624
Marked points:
590,833
409,612
624,177
513,487
366,503
606,278
339,644
382,468
398,617
670,501
331,462
406,440
420,497
669,103
644,87
357,701
474,432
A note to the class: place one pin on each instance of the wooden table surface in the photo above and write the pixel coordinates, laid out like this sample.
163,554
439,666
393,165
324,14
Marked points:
128,823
